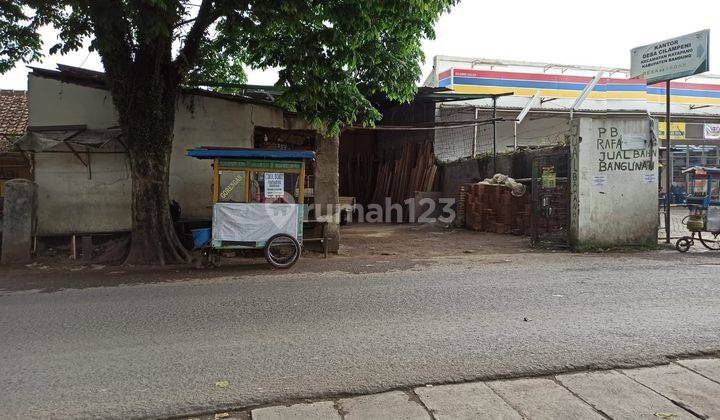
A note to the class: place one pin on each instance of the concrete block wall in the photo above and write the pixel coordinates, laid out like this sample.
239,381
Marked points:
71,202
614,191
52,102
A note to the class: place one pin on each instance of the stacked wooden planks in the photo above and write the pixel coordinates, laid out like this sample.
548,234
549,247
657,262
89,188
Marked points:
358,176
414,170
382,183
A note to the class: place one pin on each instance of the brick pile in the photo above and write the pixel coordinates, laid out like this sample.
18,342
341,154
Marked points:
491,208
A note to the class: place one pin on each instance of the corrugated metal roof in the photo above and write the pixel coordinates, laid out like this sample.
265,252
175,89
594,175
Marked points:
96,79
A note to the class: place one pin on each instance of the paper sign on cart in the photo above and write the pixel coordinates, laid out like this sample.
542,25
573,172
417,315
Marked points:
274,184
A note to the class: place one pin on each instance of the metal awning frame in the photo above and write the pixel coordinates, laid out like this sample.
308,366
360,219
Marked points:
74,131
455,97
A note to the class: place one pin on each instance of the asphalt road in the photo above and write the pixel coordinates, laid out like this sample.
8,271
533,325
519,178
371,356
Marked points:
159,349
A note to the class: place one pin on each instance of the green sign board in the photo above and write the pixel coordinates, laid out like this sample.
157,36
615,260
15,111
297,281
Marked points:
549,180
672,58
260,164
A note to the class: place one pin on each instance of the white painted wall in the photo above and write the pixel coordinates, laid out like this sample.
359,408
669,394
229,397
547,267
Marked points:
71,203
615,191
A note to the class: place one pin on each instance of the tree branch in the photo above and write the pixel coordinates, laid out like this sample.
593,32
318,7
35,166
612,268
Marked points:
113,35
188,55
184,22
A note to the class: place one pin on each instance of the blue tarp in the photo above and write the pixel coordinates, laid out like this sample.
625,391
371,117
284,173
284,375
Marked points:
209,153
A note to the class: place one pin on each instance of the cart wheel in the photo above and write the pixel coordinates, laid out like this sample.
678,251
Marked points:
711,244
282,251
683,244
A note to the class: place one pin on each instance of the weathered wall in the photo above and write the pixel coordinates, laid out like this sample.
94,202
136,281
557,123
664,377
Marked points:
51,102
71,203
615,188
203,121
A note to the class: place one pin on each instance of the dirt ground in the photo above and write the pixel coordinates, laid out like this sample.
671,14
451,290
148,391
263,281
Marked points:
423,241
365,248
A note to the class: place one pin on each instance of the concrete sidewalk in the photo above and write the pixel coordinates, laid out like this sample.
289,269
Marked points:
684,389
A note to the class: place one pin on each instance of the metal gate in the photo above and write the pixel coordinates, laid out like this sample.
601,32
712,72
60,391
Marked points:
550,216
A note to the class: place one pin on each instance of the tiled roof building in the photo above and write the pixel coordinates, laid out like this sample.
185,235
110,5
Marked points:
13,116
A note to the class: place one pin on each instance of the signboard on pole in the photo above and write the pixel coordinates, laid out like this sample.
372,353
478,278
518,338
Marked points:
672,58
678,130
711,131
662,62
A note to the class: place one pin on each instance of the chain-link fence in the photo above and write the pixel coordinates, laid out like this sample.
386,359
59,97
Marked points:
693,146
452,144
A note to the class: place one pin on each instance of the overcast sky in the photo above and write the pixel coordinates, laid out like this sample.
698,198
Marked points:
563,32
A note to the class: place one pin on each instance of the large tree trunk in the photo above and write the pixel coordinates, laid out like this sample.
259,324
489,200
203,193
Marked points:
145,80
148,124
153,239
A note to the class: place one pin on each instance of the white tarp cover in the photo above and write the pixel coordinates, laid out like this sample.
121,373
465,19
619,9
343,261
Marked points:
253,222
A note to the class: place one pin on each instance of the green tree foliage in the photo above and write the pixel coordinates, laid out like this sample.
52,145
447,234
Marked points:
332,54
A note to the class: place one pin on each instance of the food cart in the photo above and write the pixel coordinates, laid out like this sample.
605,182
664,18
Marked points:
703,203
257,202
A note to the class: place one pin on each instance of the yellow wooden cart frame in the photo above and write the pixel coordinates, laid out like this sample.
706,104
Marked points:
251,162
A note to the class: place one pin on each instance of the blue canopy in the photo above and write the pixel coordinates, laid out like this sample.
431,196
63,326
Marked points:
212,153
